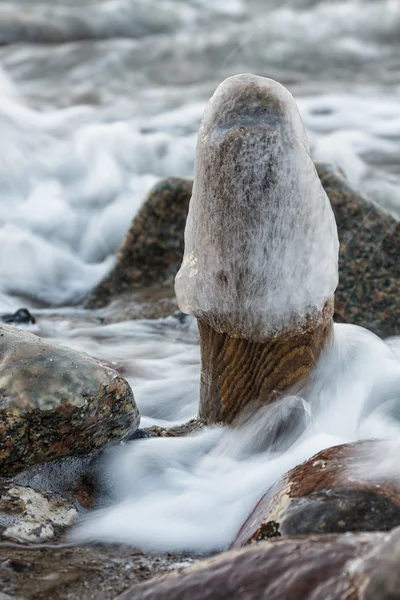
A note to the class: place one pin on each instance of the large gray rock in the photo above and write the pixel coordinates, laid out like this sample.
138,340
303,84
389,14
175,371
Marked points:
56,402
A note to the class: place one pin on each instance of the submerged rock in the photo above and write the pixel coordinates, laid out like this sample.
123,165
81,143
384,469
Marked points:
152,250
351,566
188,428
56,402
325,495
369,266
20,316
28,515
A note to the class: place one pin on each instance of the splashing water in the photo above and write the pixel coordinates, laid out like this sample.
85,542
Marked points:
89,126
194,493
86,128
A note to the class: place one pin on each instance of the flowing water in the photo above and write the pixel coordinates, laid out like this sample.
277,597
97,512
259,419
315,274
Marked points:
101,99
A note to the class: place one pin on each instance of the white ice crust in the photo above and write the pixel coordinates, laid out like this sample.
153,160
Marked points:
261,245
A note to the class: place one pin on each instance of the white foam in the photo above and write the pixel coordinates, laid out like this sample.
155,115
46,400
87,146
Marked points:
87,128
160,359
194,493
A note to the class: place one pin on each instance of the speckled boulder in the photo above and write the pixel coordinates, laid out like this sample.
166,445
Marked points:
56,402
325,495
152,250
369,265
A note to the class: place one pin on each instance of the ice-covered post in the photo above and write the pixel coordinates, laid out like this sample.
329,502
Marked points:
261,250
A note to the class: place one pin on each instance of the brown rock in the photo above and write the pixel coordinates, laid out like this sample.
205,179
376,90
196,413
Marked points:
334,567
152,250
56,402
369,272
382,570
322,496
369,266
90,572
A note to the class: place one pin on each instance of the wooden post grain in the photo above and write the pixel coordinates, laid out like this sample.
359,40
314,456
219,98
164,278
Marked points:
261,251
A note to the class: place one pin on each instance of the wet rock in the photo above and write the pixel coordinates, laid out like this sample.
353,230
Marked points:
350,566
369,266
74,477
140,434
90,572
21,316
28,515
381,571
56,402
326,494
152,250
153,302
188,428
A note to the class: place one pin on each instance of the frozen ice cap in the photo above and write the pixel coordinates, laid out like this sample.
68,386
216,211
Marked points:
261,245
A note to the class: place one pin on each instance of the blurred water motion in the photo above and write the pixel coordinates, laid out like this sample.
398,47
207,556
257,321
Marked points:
101,99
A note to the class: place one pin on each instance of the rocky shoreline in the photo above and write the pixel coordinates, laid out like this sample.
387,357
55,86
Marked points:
103,571
318,532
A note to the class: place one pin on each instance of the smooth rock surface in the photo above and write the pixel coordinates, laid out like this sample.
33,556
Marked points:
152,250
326,495
28,515
334,567
56,402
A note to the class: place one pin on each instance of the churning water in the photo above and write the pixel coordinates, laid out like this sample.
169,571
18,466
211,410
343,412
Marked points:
89,122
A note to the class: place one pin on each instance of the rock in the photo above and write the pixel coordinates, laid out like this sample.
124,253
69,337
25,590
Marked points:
152,250
20,316
369,266
382,570
90,572
74,477
326,495
153,302
28,515
56,402
188,428
334,567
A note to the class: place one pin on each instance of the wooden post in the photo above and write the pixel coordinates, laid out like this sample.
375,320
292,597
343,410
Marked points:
261,250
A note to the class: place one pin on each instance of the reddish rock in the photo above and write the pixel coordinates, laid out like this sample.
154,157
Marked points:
323,496
323,567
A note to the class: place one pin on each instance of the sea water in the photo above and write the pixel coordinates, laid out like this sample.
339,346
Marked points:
89,122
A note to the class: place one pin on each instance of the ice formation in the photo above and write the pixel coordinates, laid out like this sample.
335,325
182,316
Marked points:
261,246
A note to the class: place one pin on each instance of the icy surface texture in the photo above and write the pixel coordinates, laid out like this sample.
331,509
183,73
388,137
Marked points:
261,245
